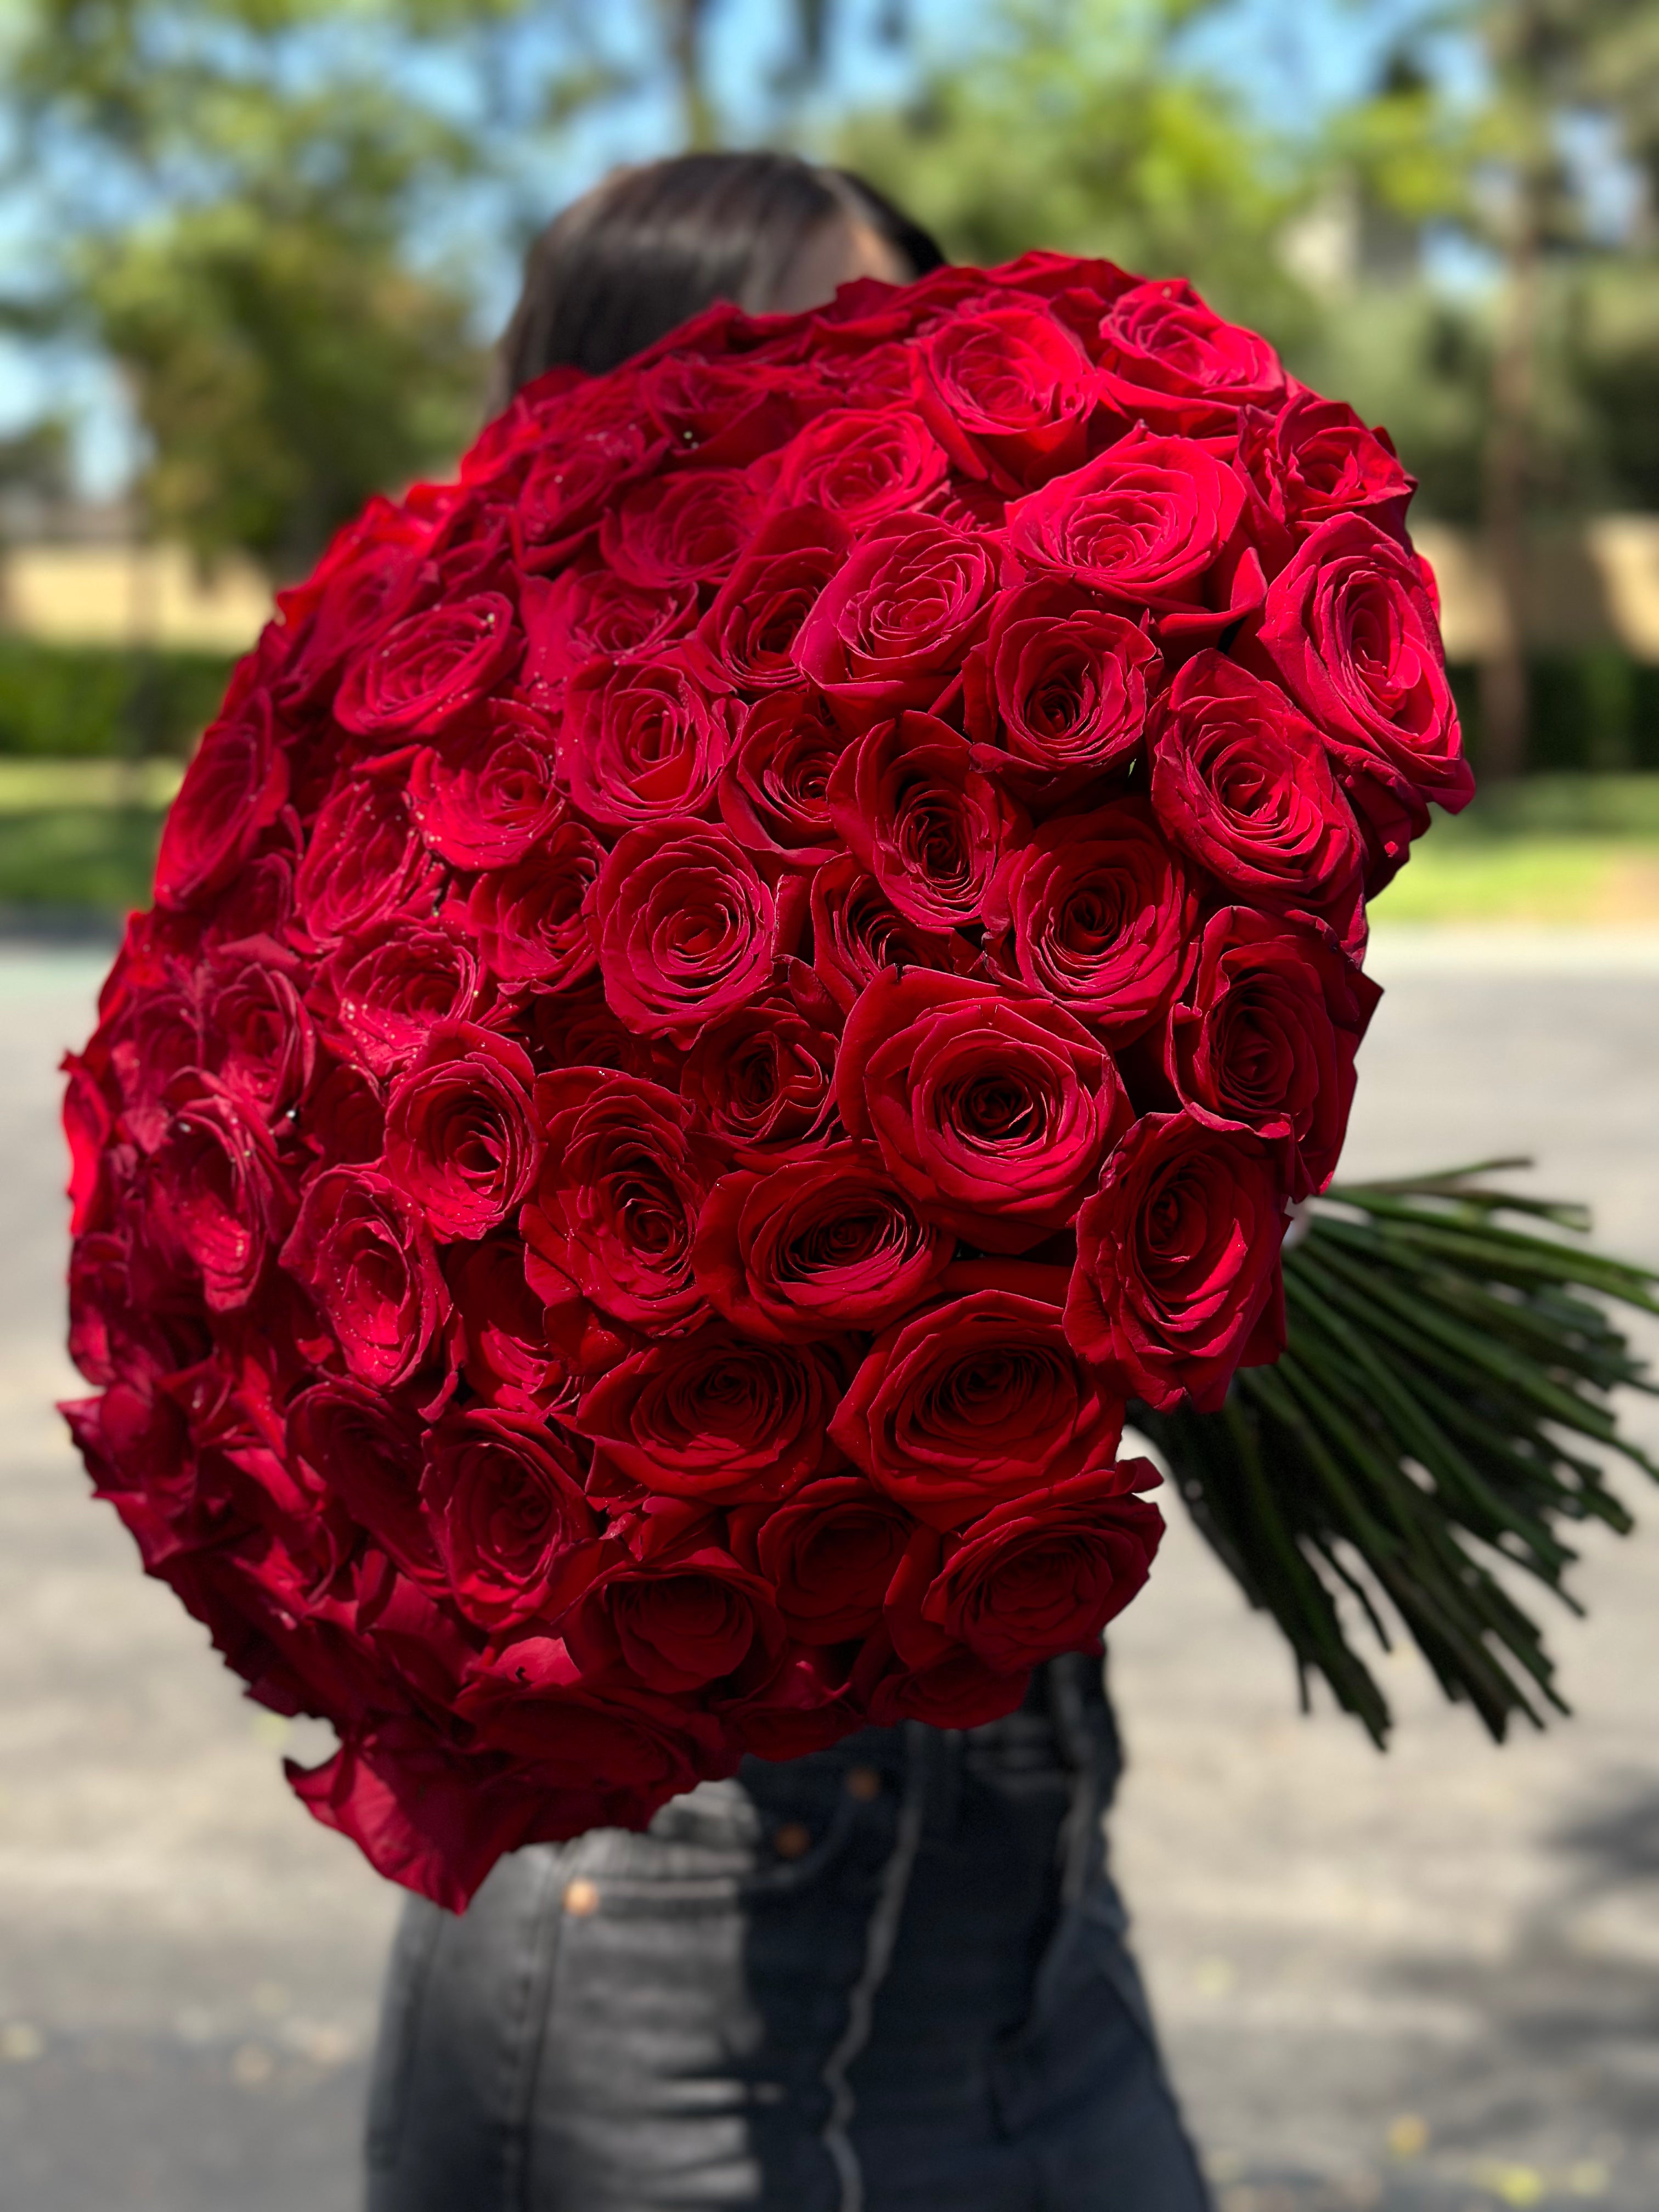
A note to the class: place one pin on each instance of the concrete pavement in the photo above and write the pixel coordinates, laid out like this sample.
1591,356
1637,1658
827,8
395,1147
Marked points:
1426,1982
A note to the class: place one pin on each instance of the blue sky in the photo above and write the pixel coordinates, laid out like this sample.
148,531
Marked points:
1292,60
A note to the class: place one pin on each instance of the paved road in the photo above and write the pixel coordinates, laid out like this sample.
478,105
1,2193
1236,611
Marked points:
1423,1983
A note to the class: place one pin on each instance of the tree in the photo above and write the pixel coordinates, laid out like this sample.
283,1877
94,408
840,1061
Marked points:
1083,125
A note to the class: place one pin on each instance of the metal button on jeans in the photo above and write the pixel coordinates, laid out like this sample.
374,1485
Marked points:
581,1898
793,1840
864,1783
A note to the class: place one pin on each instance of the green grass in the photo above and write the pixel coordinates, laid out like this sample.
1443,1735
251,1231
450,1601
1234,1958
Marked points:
1562,879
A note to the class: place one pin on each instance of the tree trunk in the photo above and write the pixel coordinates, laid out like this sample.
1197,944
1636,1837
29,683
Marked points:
685,25
1504,704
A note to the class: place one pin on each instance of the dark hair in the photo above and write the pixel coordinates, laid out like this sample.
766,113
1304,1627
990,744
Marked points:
626,264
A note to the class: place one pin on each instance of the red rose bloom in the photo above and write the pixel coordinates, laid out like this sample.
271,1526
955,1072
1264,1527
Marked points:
220,1194
761,1083
1055,694
824,1245
1267,1035
364,863
973,1402
856,934
688,528
676,1623
588,614
928,826
489,795
1240,781
516,1536
715,1416
828,1552
460,1138
529,920
861,464
1034,1577
1151,523
381,995
684,928
233,788
642,742
992,1115
1012,385
747,638
1351,628
1177,1279
774,790
892,627
1168,361
1097,912
427,668
622,1182
366,1256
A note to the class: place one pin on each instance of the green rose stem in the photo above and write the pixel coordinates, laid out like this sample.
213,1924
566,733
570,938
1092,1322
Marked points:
1417,1436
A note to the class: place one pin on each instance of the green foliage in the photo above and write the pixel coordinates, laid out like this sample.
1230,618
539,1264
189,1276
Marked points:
1440,1419
80,702
1080,125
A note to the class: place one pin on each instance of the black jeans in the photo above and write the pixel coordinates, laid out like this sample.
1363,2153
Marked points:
889,1978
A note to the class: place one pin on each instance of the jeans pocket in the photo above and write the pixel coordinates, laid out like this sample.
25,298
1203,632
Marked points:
407,1973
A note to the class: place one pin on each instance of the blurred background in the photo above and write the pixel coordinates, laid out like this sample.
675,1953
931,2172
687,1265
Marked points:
251,255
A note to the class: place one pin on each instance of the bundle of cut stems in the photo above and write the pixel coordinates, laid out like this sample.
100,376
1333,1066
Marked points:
1440,1419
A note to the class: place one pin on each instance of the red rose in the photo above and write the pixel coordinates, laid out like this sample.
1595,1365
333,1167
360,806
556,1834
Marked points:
588,614
428,667
688,527
362,1448
1177,1277
1168,361
892,627
1315,459
1035,1577
1351,628
509,1360
219,1192
234,787
856,934
641,741
1096,913
529,920
488,795
1153,522
828,1552
715,1416
815,1248
773,791
676,1622
928,826
573,476
517,1537
747,638
621,1188
861,464
1266,1038
729,412
684,928
366,1256
973,1402
344,1119
1056,693
382,995
256,1037
992,1115
364,862
960,1692
762,1081
533,1700
1012,384
1241,781
460,1138
356,592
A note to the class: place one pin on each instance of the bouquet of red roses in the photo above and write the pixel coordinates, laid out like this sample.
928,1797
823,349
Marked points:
724,993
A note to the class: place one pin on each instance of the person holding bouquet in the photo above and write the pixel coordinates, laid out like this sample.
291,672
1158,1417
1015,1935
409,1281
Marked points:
888,1977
